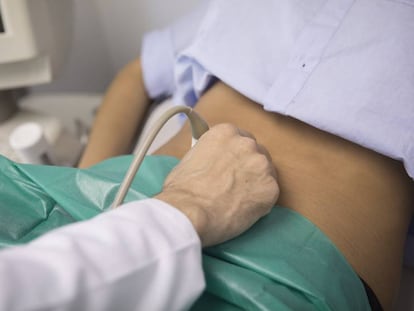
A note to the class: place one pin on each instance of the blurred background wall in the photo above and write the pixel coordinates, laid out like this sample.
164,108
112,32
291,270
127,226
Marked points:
107,35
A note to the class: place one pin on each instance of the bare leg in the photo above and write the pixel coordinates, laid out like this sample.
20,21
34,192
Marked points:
115,126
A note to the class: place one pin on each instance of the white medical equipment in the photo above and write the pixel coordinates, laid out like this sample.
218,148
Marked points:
35,36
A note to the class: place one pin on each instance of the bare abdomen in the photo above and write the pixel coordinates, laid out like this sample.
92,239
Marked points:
363,201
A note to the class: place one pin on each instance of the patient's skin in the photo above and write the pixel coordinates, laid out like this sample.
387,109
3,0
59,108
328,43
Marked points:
361,200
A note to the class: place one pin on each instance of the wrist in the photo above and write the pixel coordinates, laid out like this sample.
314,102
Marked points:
188,205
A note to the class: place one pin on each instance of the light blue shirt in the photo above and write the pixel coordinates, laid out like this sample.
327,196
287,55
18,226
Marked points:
343,66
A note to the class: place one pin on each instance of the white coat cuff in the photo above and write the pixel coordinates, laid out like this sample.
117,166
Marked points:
170,215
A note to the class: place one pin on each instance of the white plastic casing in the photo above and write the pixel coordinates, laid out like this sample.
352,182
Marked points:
35,42
29,142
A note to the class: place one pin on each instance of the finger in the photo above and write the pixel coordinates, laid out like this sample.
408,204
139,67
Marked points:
266,153
246,134
263,150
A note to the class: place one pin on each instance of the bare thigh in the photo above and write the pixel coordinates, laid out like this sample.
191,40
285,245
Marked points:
361,200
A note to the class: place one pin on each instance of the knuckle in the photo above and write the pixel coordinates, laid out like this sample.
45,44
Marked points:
264,150
266,208
247,143
274,188
263,162
274,184
226,129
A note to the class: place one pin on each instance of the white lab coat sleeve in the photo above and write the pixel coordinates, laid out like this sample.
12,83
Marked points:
160,48
145,255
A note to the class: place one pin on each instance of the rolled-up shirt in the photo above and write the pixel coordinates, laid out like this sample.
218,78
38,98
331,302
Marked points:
343,66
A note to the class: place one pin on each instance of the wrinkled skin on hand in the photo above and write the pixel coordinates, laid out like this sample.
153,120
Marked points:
223,185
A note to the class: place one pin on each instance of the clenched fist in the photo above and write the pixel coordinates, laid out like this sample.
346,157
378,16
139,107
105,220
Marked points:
223,185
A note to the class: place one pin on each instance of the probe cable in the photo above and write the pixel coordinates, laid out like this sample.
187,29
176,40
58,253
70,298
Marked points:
198,128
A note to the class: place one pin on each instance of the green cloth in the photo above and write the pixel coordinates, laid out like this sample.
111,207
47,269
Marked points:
283,262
